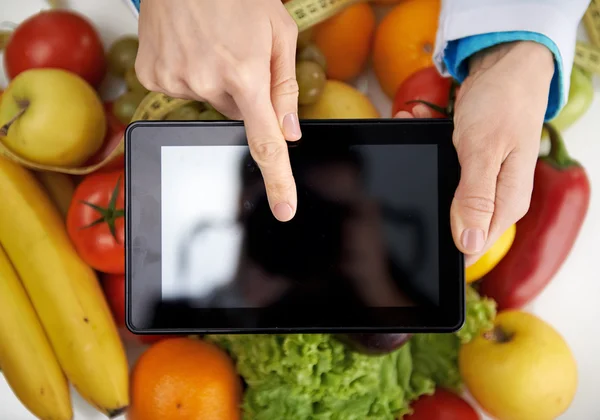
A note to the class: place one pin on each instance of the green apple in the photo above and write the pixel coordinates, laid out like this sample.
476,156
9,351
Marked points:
52,117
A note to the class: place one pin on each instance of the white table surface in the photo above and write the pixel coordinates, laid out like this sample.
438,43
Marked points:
570,303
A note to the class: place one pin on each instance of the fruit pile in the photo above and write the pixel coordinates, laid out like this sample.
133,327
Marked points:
62,266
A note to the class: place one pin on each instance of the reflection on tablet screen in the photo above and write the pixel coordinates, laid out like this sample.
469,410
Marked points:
365,233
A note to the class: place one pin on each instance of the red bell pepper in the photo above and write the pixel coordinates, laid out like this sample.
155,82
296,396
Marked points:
546,234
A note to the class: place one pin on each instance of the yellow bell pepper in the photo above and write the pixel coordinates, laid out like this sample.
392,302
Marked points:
492,257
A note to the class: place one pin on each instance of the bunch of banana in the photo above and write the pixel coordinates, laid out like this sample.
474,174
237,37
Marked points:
55,325
60,189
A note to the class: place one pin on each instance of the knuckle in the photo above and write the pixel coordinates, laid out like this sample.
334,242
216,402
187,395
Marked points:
478,204
173,85
245,77
241,79
145,75
205,88
280,188
165,77
265,152
287,87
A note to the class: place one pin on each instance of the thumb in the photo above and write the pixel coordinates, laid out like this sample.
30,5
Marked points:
474,201
284,86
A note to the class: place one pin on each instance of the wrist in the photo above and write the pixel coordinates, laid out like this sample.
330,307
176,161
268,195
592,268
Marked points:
530,59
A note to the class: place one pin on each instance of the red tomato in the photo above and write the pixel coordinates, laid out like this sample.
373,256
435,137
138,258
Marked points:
114,290
443,405
115,130
425,85
96,222
56,39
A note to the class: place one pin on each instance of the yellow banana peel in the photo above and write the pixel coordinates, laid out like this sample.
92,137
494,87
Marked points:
63,290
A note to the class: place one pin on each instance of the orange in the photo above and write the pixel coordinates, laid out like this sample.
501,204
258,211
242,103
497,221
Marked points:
404,42
345,40
185,379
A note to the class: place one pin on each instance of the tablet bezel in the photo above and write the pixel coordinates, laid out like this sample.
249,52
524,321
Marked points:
150,136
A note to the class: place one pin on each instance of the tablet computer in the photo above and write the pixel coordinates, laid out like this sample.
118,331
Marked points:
369,249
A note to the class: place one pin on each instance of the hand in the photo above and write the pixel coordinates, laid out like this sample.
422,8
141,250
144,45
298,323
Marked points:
498,121
239,56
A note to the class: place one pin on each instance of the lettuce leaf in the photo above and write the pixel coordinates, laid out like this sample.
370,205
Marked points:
317,377
480,314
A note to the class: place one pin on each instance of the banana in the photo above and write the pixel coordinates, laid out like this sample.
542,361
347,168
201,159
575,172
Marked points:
26,356
64,291
60,188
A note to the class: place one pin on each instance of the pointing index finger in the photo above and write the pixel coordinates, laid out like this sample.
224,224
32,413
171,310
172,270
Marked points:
270,152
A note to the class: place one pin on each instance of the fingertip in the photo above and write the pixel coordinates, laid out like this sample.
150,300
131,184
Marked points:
422,111
472,240
469,240
283,212
403,114
291,127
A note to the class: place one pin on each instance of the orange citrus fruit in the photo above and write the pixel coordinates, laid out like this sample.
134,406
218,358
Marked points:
185,379
404,42
345,40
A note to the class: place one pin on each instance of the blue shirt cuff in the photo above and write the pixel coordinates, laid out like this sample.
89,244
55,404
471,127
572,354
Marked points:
457,53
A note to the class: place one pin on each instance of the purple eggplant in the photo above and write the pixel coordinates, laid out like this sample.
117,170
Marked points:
371,343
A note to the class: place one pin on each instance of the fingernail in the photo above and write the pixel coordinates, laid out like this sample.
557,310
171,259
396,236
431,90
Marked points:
283,212
291,127
473,240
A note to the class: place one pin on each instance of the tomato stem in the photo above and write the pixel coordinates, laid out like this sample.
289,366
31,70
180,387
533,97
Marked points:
23,104
109,214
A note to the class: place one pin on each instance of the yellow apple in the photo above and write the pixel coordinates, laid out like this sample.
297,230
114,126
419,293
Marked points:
521,370
52,117
339,101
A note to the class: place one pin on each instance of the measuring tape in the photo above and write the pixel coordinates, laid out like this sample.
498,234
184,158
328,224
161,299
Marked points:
587,57
306,13
591,21
156,106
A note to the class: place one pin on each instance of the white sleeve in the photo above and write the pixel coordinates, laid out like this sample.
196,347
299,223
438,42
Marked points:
556,19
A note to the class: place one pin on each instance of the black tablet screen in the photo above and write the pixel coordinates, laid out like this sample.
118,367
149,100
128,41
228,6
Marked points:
365,233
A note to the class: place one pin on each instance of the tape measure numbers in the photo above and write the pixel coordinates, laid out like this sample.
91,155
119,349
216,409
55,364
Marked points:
308,13
591,21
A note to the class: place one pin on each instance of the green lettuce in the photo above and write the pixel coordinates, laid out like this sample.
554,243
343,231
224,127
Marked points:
317,377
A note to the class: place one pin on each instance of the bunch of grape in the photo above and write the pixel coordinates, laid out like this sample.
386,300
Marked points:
310,73
310,70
